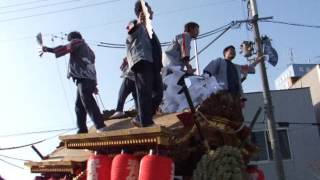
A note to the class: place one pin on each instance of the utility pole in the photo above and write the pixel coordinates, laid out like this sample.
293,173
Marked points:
273,135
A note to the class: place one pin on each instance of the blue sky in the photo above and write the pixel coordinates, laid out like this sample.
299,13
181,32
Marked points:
35,94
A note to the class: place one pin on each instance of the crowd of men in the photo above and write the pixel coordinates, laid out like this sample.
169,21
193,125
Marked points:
143,69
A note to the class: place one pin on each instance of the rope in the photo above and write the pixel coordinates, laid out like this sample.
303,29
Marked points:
61,82
100,99
229,132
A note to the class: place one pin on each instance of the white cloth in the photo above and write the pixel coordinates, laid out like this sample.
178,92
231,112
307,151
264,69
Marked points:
200,89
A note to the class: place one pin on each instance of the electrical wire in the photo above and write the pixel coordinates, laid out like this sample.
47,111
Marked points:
112,44
18,159
215,39
35,132
167,43
114,47
291,24
67,65
21,39
34,143
59,11
22,4
22,146
11,164
62,85
101,102
193,7
162,44
246,15
37,7
165,13
201,36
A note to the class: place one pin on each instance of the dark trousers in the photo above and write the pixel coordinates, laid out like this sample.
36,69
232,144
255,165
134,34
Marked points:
86,104
149,89
126,88
157,91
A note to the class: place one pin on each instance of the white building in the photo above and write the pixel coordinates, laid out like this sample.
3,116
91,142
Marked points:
291,74
299,139
311,80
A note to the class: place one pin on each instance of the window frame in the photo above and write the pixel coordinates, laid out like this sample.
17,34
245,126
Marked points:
268,160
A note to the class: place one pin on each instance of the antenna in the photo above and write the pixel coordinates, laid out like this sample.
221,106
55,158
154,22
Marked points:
291,57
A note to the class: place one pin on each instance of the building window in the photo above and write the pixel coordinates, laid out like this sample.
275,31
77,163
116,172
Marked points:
261,138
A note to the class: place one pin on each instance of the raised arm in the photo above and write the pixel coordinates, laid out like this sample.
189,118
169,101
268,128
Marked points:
64,49
250,69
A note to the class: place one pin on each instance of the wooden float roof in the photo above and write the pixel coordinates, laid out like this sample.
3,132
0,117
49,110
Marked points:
122,134
62,160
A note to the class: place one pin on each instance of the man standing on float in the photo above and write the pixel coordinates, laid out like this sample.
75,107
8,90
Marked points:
144,59
82,71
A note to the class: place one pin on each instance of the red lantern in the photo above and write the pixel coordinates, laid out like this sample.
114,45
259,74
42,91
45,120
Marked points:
125,167
255,173
99,167
155,167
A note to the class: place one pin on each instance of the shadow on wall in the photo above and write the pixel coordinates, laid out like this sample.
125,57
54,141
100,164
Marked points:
315,168
317,113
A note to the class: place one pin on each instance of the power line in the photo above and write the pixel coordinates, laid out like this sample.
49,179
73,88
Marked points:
35,132
291,24
59,11
11,164
167,43
22,4
66,66
210,43
204,35
62,85
121,46
22,146
37,7
193,7
201,36
34,143
168,12
164,13
13,158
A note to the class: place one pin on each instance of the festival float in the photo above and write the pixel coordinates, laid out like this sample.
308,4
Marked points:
203,137
62,163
